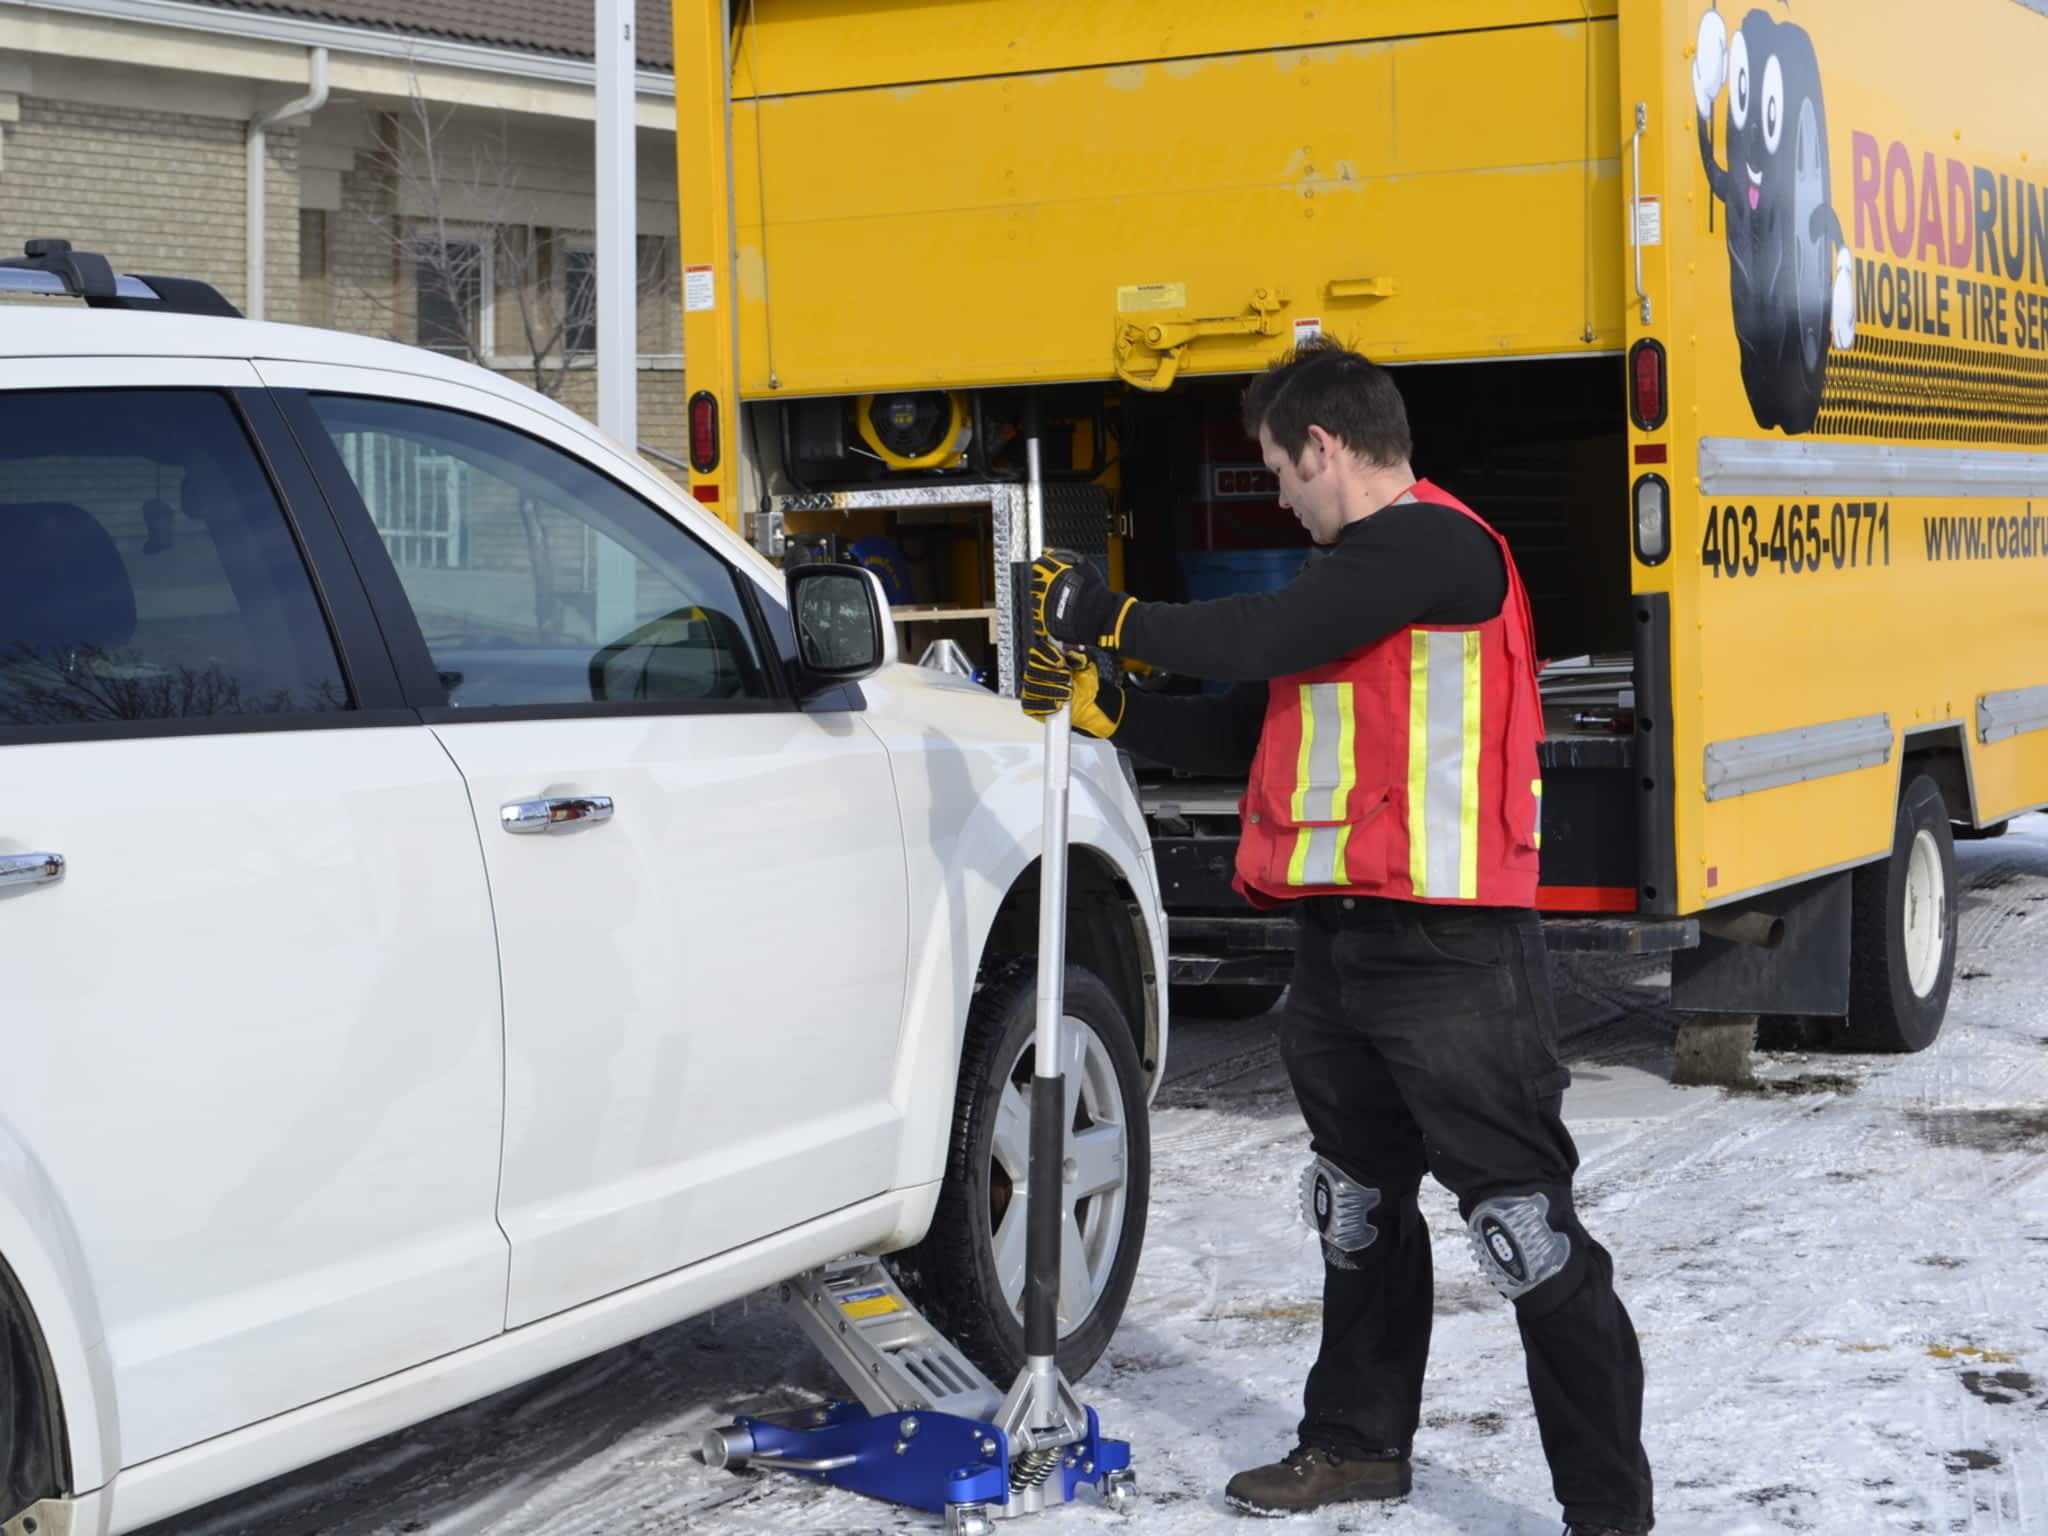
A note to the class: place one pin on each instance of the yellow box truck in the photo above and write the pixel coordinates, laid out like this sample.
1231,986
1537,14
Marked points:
1733,320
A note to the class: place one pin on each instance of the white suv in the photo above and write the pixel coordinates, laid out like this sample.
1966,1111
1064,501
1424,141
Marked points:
461,909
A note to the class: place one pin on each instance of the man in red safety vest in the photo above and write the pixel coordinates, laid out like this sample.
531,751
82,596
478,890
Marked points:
1386,717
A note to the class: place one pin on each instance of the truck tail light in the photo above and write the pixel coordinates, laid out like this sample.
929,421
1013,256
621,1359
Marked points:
1647,398
1652,519
703,432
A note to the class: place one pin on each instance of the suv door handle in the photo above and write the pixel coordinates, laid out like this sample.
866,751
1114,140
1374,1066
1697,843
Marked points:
557,813
30,869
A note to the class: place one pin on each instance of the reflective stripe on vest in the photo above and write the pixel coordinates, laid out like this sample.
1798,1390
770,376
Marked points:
1326,771
1443,763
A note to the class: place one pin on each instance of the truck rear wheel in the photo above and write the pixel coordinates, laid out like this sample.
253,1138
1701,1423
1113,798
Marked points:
1902,957
967,1275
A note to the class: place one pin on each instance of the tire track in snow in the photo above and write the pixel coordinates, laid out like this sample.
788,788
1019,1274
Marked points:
1988,1476
1993,1441
1778,1349
2005,889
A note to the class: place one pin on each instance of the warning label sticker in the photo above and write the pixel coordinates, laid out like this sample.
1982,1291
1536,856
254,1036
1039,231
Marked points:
872,1302
698,291
1138,298
1649,221
1307,329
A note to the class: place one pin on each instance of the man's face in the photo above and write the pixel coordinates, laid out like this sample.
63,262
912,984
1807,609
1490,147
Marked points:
1308,486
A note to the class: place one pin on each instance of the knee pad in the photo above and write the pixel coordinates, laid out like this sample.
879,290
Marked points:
1340,1210
1515,1244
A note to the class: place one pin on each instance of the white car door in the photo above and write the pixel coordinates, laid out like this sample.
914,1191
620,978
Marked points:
251,1034
700,887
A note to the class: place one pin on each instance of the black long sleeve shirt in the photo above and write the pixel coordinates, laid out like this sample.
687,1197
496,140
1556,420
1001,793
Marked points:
1414,562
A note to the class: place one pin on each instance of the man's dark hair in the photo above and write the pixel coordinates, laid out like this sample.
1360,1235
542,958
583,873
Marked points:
1324,383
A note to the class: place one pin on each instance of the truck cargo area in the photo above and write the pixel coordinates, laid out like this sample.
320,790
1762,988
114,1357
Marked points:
1539,449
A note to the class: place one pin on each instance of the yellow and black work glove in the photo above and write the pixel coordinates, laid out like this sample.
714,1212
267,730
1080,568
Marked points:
1070,603
1053,677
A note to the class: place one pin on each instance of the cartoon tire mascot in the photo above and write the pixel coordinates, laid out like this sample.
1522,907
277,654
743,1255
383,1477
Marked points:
1791,278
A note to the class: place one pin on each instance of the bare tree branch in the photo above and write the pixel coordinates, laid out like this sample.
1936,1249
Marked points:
469,261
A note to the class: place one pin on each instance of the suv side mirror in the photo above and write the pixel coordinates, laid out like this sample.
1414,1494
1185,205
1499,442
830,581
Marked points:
843,629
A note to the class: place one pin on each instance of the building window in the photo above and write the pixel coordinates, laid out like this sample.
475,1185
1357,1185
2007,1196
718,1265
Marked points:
496,296
579,297
452,286
316,255
661,300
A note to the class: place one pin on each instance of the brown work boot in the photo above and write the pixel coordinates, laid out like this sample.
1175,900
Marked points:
1310,1476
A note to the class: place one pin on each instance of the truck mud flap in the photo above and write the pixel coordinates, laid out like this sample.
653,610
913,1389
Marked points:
1800,966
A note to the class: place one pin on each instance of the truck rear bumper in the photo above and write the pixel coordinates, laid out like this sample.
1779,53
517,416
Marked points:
1255,949
1258,948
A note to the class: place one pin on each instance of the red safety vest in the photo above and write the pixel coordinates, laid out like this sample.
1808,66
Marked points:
1405,770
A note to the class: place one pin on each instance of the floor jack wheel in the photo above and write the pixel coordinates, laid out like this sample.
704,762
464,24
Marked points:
969,1520
1120,1491
729,1446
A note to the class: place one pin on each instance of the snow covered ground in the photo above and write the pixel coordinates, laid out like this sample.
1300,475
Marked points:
1840,1279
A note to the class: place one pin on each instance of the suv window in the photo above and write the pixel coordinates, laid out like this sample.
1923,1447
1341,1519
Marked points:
146,568
535,579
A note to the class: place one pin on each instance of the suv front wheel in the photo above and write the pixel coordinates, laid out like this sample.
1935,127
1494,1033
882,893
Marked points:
968,1273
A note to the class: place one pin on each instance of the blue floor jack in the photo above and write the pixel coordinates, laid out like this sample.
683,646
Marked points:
929,1430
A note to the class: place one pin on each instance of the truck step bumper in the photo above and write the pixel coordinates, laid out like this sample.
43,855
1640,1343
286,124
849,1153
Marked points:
1258,948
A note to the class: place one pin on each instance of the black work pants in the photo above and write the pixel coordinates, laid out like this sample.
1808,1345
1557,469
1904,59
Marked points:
1424,1038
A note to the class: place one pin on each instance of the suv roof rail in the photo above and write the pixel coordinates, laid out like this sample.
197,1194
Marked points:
51,266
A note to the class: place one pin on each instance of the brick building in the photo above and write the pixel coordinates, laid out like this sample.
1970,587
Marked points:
438,192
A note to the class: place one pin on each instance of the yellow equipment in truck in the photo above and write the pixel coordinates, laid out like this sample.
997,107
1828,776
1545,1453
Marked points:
1737,325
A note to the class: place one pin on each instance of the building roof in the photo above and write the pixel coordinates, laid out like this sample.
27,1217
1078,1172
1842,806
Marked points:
541,26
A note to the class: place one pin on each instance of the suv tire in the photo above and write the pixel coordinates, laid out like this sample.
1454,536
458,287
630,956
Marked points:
956,1275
